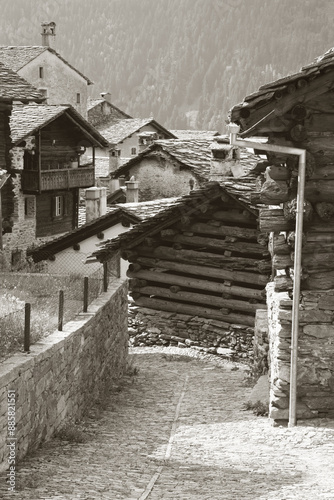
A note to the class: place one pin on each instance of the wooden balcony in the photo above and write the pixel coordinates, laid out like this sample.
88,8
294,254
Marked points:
67,178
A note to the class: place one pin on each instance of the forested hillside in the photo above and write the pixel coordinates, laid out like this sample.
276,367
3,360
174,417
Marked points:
186,62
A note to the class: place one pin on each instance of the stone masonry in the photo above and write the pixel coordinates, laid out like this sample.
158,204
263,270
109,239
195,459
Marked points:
65,373
149,327
315,375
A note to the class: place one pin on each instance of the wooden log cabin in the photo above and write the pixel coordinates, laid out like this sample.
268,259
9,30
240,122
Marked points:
203,258
298,111
48,168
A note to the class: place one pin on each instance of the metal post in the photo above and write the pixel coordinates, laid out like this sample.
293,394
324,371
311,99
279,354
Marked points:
27,314
61,310
301,153
85,299
296,292
105,276
118,265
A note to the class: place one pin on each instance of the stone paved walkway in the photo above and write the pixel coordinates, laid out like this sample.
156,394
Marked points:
178,431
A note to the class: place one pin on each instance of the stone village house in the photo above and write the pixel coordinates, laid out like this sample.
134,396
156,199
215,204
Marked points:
48,71
298,111
47,171
12,88
173,167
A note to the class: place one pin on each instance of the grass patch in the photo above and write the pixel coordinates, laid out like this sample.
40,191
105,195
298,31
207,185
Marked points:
259,409
72,433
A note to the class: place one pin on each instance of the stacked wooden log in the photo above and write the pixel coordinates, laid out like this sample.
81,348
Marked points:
209,265
279,192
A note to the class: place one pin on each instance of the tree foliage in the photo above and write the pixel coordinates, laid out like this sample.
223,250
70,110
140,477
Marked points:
187,62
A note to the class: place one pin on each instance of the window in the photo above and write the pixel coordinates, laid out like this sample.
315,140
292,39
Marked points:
41,72
59,206
133,151
29,207
78,98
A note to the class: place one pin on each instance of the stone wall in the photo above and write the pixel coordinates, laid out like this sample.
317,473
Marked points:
64,374
315,375
151,327
261,344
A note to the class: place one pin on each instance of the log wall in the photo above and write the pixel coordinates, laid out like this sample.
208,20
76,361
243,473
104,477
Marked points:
209,266
308,126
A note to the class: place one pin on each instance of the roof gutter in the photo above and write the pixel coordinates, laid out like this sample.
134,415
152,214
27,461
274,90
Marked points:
301,153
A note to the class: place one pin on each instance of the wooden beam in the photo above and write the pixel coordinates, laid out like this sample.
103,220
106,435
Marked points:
206,259
195,283
216,244
204,312
184,296
315,88
201,228
208,272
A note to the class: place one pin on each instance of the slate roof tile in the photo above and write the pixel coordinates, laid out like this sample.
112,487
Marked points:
16,57
26,119
15,88
195,134
194,154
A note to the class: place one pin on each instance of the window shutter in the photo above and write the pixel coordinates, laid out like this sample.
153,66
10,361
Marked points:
66,204
53,206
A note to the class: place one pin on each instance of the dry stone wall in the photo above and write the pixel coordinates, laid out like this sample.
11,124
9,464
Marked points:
315,376
65,373
151,327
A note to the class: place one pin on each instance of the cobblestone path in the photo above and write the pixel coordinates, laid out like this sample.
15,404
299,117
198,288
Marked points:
178,431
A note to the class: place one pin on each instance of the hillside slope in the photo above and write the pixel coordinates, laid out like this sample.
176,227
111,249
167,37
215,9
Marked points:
177,58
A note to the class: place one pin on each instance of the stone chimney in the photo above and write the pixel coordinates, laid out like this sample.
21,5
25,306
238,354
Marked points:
225,160
114,159
106,96
132,191
145,139
49,34
96,202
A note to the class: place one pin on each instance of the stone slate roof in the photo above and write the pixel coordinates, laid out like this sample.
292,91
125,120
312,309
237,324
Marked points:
132,213
193,154
188,204
114,216
15,88
92,103
26,120
195,134
144,210
278,90
121,129
16,57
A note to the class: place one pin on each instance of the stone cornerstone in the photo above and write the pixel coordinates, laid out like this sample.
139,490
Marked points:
315,373
65,373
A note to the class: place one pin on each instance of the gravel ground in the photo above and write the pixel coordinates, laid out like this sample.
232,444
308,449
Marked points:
178,430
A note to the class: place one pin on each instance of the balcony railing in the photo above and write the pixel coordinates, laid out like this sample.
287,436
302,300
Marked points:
66,178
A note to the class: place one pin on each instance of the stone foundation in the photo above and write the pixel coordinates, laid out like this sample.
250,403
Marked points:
65,373
151,327
315,376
